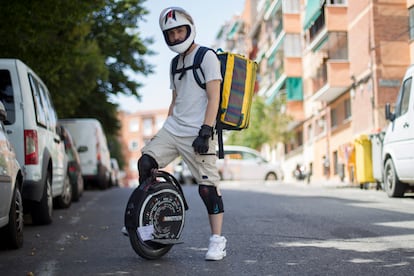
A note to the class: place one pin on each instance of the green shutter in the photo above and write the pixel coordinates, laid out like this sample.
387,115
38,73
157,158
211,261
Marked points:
313,10
294,89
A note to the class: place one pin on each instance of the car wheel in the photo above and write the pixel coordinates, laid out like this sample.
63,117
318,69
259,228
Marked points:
393,186
42,211
271,176
12,234
65,199
187,180
103,179
77,187
221,175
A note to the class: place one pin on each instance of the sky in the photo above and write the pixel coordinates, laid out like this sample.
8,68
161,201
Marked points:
209,16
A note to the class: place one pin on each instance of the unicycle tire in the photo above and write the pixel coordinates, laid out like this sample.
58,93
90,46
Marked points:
162,206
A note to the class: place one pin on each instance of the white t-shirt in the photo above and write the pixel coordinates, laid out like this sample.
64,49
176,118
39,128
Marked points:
191,101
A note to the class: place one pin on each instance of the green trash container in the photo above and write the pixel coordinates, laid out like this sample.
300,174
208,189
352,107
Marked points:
363,160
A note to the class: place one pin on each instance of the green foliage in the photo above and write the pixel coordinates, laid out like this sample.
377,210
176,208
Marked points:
50,37
115,29
268,124
83,50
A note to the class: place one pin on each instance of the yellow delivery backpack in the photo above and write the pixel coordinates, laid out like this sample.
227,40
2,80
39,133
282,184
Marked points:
237,89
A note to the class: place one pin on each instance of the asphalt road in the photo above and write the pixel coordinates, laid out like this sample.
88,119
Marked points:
272,229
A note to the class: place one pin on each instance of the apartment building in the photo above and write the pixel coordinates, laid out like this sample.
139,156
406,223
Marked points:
336,63
136,130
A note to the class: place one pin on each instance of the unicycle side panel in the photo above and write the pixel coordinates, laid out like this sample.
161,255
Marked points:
162,206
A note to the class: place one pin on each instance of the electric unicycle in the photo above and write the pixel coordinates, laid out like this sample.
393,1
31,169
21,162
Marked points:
155,214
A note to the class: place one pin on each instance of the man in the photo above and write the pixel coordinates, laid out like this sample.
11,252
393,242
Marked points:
188,130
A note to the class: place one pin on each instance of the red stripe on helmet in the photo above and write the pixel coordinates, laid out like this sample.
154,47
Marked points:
170,14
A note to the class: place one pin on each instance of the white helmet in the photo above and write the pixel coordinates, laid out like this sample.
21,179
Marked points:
174,17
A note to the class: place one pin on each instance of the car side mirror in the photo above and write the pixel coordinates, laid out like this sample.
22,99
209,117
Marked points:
388,114
82,149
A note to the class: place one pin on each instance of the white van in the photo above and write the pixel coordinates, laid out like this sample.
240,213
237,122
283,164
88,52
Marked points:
32,128
92,148
398,144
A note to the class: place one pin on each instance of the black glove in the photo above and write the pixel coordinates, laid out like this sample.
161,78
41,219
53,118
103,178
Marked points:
200,144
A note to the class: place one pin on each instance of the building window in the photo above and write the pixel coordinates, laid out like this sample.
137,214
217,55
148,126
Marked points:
133,165
336,162
292,45
299,138
159,122
147,127
134,125
309,133
134,145
334,118
347,108
291,6
321,126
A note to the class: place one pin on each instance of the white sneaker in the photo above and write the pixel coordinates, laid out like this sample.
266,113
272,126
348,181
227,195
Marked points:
217,248
124,231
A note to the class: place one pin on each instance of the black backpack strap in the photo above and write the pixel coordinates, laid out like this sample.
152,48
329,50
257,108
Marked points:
198,59
219,130
174,65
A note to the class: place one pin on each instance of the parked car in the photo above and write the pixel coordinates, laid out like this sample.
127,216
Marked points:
114,172
32,128
398,144
182,173
74,166
11,180
92,148
243,163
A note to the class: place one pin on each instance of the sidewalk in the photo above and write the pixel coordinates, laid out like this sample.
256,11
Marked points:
334,183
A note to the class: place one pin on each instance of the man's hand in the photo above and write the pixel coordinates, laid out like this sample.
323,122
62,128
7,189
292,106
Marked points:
200,144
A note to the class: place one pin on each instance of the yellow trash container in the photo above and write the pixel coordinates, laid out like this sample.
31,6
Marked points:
363,160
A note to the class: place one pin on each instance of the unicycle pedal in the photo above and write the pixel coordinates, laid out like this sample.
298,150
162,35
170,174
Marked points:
155,215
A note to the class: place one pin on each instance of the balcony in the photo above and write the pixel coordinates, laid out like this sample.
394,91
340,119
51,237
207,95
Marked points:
332,81
293,66
291,23
332,19
336,18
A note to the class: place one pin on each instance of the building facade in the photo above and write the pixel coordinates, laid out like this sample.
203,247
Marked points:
136,130
335,62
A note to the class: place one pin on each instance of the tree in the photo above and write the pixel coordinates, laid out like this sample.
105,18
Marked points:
50,37
83,51
78,47
268,125
276,122
115,29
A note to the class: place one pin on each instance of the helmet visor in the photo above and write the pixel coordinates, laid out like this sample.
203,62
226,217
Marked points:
177,35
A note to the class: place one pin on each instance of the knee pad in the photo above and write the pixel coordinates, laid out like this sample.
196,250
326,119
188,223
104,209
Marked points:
211,199
145,165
